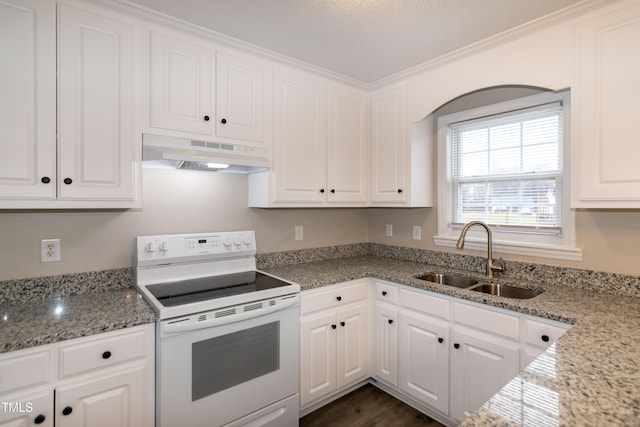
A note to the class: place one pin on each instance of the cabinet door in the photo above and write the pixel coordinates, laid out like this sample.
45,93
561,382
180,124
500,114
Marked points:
424,360
481,366
28,107
388,145
299,163
112,401
347,146
27,410
352,348
181,85
318,337
97,143
386,343
606,107
239,98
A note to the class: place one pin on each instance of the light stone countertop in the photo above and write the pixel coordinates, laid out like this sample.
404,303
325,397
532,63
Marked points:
597,362
42,311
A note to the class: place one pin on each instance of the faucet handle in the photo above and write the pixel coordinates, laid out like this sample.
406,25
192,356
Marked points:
499,266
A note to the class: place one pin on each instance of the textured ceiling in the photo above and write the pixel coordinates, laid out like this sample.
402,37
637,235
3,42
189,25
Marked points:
366,40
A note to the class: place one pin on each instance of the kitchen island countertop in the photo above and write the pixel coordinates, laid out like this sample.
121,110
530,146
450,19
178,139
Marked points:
595,375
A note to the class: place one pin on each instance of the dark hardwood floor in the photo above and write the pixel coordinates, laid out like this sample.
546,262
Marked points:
367,406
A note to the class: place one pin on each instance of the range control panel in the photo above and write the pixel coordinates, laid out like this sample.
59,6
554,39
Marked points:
172,248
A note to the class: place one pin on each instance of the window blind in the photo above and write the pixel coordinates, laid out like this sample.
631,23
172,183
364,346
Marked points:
506,170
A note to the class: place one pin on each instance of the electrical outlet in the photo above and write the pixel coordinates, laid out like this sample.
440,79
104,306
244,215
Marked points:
299,232
50,250
417,232
389,230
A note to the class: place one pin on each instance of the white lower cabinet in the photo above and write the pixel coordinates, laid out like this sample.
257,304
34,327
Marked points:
106,380
333,340
481,364
450,356
424,359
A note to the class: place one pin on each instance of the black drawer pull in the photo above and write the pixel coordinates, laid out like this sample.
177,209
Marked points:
106,354
333,326
67,410
67,181
339,298
39,419
545,338
384,293
456,346
45,180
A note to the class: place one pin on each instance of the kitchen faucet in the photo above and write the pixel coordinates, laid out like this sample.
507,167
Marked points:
490,267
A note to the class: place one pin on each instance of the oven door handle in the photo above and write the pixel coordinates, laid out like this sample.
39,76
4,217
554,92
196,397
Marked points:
196,321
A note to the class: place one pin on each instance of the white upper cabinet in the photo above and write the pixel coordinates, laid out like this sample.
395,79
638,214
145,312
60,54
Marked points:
401,154
347,146
606,107
240,98
388,136
181,85
200,93
94,161
97,141
27,108
319,145
300,132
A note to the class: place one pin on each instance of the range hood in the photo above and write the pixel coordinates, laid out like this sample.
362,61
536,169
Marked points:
182,153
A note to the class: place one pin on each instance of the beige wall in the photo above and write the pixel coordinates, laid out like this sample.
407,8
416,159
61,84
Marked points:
173,202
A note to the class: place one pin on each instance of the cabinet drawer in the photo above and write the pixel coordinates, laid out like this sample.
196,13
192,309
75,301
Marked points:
487,320
542,334
101,352
427,304
386,292
333,296
25,370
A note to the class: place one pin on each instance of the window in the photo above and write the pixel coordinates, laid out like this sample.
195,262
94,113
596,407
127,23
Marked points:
505,166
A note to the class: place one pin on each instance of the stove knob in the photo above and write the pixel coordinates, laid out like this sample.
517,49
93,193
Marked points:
237,241
227,241
150,247
247,240
164,246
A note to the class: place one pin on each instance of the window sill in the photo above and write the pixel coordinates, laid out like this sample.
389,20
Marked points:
513,248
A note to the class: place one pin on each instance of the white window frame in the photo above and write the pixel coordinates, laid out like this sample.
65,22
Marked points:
507,242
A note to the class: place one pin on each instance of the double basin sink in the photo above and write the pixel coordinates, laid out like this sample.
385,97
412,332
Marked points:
491,288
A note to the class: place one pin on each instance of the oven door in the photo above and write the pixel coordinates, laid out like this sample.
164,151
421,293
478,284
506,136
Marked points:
212,376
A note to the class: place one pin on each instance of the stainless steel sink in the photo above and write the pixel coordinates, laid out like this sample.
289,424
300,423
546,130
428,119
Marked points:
506,291
448,279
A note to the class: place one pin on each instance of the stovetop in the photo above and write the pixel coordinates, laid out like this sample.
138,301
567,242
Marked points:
183,274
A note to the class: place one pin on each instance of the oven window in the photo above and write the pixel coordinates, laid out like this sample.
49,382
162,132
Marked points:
223,362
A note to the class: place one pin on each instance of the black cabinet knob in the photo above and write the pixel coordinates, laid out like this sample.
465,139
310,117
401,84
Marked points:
67,410
390,321
322,190
39,419
333,326
399,190
384,293
545,338
206,118
456,346
106,354
440,340
45,180
67,181
333,190
342,323
223,121
339,298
